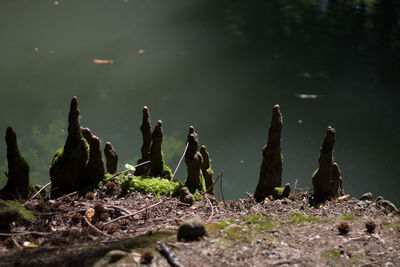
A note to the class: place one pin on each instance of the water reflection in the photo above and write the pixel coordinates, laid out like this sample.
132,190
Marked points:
217,65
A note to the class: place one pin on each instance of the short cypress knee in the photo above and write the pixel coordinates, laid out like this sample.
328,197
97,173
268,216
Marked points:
193,160
111,158
95,166
206,169
271,166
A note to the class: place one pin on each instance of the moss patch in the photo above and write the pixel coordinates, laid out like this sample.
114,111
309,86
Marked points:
157,186
331,255
11,211
301,218
347,217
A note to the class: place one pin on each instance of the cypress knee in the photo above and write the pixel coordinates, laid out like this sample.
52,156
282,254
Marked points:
271,166
95,166
111,158
206,169
327,181
157,164
145,128
193,160
68,166
18,169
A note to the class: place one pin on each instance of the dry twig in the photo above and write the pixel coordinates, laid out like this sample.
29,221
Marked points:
94,227
134,213
212,208
38,192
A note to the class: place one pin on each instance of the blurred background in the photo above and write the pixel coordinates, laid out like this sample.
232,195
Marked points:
217,65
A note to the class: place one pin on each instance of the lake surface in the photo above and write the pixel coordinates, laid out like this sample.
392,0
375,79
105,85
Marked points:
174,57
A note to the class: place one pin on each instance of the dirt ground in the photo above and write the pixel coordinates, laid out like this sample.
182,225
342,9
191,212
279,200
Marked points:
240,233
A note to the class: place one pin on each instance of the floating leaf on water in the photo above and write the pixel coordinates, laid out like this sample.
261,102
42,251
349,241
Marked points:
141,51
103,61
306,96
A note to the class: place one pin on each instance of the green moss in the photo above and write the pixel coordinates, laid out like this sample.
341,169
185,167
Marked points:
332,255
146,184
279,190
197,195
300,218
16,209
315,173
234,233
194,189
347,217
252,218
57,156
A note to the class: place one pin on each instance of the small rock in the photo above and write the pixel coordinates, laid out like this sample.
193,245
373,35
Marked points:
192,230
366,197
386,204
186,197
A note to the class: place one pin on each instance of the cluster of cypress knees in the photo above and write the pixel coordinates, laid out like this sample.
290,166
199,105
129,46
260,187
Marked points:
79,166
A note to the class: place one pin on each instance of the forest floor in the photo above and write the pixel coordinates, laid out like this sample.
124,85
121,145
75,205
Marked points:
283,232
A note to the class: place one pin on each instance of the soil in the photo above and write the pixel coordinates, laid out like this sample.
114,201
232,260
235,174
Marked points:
285,232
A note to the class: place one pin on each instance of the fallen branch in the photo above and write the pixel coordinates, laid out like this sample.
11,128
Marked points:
119,173
216,179
94,227
16,243
118,208
212,208
25,233
68,195
38,192
220,187
137,212
177,166
170,256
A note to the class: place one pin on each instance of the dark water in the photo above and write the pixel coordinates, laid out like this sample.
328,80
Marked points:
192,64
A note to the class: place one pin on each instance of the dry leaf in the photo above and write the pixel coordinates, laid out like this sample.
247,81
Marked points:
89,214
343,198
28,244
103,61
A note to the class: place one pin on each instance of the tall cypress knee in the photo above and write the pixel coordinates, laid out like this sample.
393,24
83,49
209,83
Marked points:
18,169
68,166
145,128
327,181
271,166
